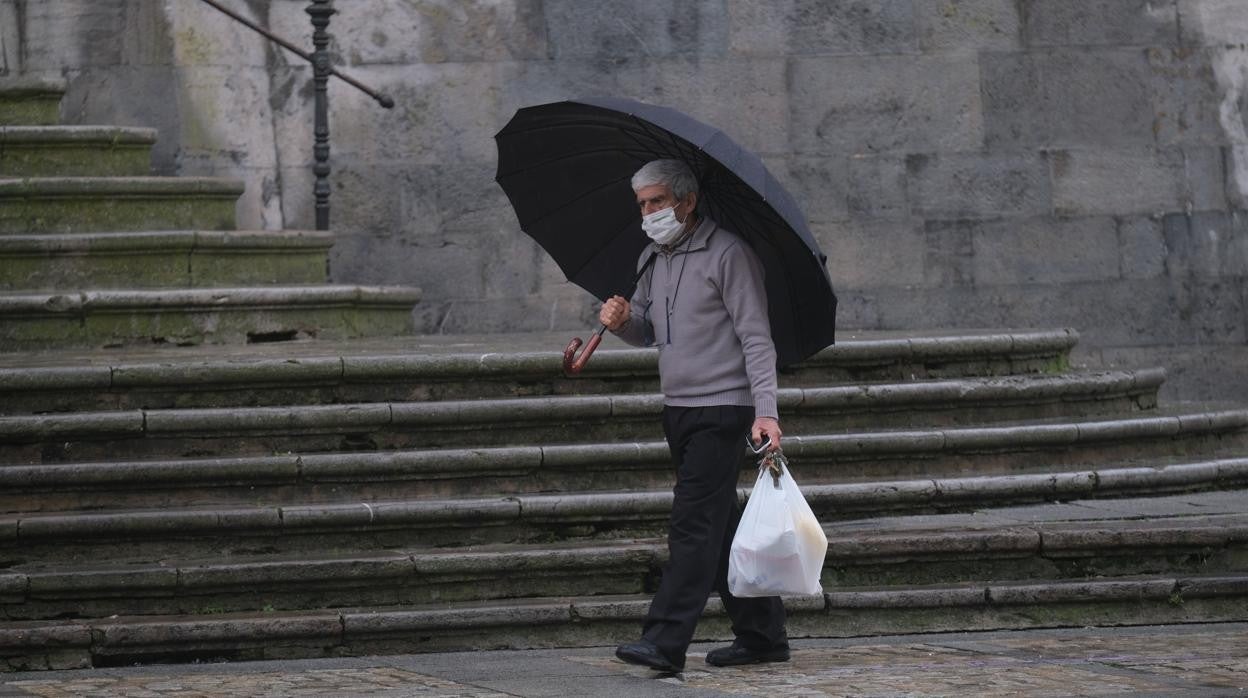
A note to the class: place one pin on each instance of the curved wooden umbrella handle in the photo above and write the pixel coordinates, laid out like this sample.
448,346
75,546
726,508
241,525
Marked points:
573,364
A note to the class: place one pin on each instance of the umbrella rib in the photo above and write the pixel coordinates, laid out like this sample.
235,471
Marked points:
665,135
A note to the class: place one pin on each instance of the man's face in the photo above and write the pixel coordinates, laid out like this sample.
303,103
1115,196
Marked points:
657,197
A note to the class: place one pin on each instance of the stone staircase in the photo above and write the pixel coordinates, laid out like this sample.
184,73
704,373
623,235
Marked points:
420,494
94,252
235,499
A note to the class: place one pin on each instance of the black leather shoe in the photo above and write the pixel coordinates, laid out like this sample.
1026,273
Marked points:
644,653
736,655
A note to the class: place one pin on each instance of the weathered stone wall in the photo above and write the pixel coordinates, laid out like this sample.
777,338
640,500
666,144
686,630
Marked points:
964,163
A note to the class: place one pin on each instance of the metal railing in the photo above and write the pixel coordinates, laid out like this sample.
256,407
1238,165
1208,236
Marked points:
320,11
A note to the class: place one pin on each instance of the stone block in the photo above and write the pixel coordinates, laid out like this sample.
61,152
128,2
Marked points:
1206,177
1142,247
865,254
1099,98
1045,251
1187,100
407,33
634,28
1099,22
1213,22
1206,245
1091,182
855,26
203,36
962,185
75,33
227,118
851,105
1013,100
1129,312
877,186
748,99
10,48
967,25
949,252
817,183
808,27
444,113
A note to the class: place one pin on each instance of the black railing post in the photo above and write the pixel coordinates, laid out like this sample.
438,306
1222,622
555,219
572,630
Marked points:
321,11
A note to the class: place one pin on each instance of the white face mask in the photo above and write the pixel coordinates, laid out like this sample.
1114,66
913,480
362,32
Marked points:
662,226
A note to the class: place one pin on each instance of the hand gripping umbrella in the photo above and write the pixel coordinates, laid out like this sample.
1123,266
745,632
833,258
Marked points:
567,166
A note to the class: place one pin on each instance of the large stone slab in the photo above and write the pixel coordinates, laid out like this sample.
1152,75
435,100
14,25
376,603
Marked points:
1099,22
1095,97
810,27
1167,180
885,103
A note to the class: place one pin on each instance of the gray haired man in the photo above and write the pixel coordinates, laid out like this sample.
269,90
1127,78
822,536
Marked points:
704,305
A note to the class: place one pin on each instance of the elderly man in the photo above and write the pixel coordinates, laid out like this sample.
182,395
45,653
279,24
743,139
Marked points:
704,305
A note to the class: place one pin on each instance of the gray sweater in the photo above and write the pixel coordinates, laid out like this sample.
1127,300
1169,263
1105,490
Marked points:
704,305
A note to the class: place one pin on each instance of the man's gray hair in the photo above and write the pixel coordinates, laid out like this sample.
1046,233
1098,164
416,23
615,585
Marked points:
672,173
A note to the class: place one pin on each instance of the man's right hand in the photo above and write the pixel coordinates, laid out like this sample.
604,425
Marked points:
615,312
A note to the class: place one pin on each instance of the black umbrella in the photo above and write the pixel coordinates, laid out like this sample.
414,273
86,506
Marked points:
566,167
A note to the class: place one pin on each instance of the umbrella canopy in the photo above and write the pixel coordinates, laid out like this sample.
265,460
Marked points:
567,166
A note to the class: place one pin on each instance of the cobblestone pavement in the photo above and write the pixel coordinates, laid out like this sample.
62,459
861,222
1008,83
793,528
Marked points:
1181,661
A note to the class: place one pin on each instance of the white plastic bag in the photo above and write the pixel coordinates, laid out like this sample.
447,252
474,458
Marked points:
779,546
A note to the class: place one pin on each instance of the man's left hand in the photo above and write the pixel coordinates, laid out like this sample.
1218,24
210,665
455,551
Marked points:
765,428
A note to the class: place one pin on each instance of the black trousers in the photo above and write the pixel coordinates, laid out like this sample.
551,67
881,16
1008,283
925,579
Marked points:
706,445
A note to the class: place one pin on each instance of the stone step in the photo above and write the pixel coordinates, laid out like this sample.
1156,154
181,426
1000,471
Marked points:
1083,540
30,101
1133,561
108,204
604,620
91,519
562,419
861,457
75,151
456,367
205,315
163,259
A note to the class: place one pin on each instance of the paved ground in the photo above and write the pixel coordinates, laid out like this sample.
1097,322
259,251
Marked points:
1171,661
